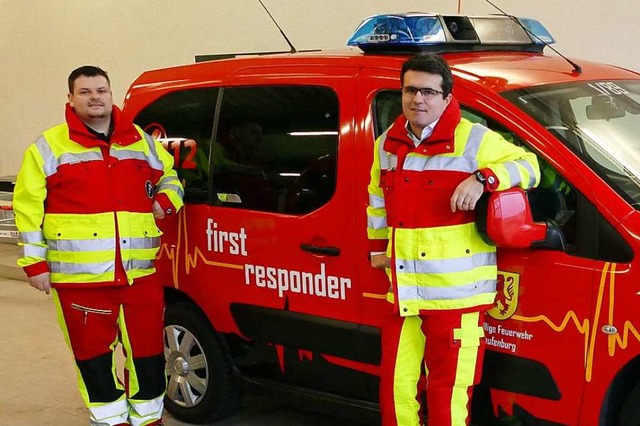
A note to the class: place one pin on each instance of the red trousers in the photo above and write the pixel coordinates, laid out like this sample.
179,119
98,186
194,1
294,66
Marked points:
450,346
94,321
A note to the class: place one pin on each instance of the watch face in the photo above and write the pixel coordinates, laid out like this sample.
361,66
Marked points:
491,180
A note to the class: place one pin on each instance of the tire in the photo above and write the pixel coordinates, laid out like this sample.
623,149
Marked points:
630,411
201,386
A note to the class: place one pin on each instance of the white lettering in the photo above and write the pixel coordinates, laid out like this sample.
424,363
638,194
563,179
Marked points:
271,275
332,283
289,280
294,284
260,274
492,341
283,282
220,241
319,281
248,270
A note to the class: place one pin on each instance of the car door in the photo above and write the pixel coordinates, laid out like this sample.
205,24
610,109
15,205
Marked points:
282,181
540,334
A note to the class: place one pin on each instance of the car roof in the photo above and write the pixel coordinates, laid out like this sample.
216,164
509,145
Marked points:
497,70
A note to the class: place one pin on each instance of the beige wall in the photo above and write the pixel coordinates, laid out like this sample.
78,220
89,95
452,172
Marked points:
42,41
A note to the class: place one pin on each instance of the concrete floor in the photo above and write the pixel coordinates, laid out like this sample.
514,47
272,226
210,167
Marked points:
37,375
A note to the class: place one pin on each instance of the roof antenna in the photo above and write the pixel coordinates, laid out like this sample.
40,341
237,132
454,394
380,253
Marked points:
293,49
576,68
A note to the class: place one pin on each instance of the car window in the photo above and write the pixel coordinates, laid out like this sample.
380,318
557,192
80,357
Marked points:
183,122
598,120
276,148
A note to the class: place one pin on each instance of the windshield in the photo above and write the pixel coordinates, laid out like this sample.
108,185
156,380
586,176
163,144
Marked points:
599,121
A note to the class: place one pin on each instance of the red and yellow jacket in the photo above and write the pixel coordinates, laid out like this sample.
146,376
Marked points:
83,207
438,259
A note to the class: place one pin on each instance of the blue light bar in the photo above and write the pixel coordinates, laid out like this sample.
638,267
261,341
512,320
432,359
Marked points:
541,35
398,29
430,32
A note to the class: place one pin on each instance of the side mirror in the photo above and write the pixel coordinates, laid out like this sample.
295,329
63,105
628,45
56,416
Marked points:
504,219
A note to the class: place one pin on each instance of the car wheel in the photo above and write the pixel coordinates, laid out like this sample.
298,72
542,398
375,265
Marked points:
630,411
201,386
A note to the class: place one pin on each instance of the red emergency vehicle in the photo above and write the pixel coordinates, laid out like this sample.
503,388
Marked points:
267,274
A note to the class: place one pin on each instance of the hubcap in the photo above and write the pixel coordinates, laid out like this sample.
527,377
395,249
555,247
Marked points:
186,367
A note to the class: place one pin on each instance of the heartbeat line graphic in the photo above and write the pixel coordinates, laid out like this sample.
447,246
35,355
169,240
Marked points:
190,259
590,328
587,327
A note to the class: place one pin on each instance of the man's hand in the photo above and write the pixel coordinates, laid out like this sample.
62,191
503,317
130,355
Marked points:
158,212
466,194
380,261
41,282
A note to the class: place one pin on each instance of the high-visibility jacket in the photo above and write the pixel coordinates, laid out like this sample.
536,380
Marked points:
438,259
81,203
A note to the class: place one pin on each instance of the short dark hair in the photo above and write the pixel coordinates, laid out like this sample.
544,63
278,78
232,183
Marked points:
87,71
432,64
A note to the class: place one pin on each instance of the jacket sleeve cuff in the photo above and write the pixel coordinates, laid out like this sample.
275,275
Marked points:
491,180
378,246
165,204
36,269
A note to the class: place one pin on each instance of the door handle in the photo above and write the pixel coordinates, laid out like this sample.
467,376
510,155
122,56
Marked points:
329,251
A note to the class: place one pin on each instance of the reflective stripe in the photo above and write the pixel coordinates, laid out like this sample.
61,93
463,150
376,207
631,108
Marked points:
455,292
440,162
375,201
467,162
474,140
128,154
154,159
175,188
82,268
73,158
144,412
50,161
443,266
132,264
98,244
514,173
34,251
376,222
108,414
34,237
387,161
529,169
140,243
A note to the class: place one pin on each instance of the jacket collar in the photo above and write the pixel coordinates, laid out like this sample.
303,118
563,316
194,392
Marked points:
124,132
443,132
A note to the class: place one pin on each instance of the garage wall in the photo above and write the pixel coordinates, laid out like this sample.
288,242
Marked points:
41,42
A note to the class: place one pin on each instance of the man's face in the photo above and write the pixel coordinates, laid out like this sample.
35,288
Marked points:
91,98
419,109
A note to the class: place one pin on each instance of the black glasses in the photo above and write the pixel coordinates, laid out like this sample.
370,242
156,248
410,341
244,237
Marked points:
426,92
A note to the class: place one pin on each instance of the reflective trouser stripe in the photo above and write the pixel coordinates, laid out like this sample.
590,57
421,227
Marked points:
470,336
451,346
145,412
402,347
109,414
93,322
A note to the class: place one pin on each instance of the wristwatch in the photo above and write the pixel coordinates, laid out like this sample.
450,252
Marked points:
480,177
487,182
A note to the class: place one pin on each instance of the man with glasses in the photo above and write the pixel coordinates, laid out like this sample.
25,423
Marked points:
429,170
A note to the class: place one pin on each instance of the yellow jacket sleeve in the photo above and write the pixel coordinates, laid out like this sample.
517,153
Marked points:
377,229
511,164
29,195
